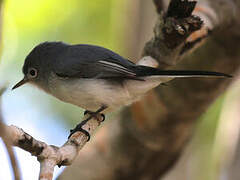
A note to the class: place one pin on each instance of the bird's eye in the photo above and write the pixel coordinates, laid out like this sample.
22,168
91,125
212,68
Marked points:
32,72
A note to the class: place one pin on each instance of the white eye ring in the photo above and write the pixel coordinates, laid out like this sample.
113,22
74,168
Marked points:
32,73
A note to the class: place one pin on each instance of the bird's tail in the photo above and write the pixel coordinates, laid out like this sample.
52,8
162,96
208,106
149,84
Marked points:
143,71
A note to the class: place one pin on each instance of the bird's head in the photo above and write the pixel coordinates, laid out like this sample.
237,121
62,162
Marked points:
37,65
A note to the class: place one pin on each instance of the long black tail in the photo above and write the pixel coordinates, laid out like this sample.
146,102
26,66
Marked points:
149,71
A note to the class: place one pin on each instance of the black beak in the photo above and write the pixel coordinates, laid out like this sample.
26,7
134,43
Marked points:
20,83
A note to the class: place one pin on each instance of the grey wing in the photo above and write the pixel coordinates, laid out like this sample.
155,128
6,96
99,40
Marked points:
87,61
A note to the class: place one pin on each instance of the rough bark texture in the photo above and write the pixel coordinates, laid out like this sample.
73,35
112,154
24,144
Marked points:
49,155
150,135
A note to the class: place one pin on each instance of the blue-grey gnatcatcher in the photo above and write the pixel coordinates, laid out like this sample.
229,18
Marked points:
93,77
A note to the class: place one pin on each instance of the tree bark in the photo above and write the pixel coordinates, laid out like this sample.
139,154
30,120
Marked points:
148,138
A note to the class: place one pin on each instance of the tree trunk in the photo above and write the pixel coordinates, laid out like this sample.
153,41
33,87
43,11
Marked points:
146,140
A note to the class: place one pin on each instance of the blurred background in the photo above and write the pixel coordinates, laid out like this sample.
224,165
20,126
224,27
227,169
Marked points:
122,27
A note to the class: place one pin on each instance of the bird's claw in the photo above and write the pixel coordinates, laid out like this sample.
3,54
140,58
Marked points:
87,112
95,115
79,128
103,117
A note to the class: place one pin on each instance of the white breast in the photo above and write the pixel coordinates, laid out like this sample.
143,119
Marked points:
89,94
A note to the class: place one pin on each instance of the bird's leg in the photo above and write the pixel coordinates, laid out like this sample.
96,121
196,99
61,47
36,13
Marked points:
92,115
95,114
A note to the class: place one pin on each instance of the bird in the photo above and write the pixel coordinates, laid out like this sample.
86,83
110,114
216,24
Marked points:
93,77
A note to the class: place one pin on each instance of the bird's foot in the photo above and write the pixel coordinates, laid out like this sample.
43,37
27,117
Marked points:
79,128
95,115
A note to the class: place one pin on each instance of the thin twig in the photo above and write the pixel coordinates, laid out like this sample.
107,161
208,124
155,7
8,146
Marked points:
49,155
9,148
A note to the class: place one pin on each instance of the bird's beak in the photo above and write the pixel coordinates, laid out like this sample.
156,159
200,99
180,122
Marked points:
20,83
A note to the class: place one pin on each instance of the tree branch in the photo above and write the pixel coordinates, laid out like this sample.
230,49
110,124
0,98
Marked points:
49,155
9,148
7,144
147,141
149,136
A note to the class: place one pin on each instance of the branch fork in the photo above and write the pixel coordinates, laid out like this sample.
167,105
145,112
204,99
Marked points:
49,155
